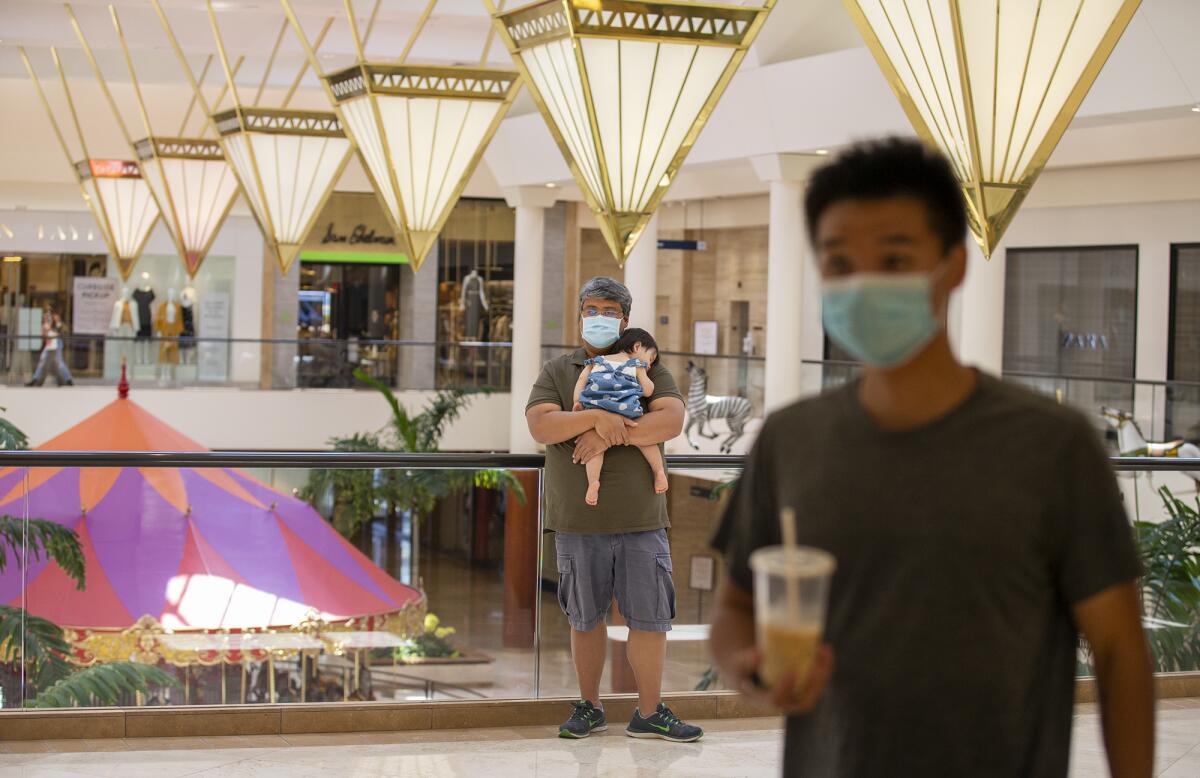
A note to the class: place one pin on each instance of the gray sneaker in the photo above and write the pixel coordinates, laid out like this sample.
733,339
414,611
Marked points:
663,724
585,719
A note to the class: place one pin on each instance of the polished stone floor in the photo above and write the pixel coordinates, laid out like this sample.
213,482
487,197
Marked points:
745,747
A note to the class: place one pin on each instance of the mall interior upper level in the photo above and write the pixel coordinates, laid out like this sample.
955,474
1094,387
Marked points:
1093,294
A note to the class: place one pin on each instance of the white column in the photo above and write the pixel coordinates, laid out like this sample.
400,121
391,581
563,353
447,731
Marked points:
641,278
528,263
981,314
789,304
785,284
1153,334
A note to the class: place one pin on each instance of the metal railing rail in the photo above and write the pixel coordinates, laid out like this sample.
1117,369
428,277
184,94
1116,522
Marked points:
1096,379
400,460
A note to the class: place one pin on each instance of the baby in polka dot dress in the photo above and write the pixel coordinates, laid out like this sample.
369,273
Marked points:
618,383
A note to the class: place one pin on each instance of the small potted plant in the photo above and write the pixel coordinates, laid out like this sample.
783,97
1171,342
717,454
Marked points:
431,644
431,659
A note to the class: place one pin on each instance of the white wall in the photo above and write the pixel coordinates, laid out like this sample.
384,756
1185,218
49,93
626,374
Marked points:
239,419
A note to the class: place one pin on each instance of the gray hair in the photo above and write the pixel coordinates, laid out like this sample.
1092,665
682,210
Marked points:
605,288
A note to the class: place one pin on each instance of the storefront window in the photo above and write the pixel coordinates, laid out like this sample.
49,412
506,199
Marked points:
1183,401
1073,312
29,285
341,306
205,310
475,293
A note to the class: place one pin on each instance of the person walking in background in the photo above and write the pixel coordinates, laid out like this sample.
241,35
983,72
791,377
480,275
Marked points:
52,349
618,547
977,527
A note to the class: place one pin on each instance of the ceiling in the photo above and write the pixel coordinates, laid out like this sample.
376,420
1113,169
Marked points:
804,49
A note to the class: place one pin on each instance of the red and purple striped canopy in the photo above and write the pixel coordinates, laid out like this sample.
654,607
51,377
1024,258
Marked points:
197,549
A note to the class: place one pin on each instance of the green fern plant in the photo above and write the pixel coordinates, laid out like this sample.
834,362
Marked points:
41,537
361,495
11,438
102,683
1170,552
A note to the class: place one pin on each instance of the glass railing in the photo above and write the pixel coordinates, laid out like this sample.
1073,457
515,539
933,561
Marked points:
1160,411
139,579
253,363
721,375
194,579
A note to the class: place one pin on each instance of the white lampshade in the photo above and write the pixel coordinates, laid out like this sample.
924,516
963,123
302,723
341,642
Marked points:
421,131
287,163
993,84
122,205
194,188
626,88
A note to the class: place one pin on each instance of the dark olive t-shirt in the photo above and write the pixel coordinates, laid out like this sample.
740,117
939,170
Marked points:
961,547
627,499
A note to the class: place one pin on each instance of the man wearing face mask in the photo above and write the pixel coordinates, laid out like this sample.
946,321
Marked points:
617,548
977,527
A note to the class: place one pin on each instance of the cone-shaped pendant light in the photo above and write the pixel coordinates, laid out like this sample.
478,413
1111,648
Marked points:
194,187
420,130
626,87
189,178
993,84
286,161
117,195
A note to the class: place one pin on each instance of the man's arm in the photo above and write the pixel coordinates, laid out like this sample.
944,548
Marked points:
664,422
1112,623
550,424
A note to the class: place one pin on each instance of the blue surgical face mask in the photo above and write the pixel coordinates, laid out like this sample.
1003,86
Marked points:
882,319
600,331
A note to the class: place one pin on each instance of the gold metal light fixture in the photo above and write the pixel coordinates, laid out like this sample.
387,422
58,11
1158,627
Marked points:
188,176
626,86
992,84
287,161
420,129
117,195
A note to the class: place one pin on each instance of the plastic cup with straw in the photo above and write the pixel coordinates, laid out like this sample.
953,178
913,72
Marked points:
791,590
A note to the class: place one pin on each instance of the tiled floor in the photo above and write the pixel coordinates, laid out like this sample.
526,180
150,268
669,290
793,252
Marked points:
746,747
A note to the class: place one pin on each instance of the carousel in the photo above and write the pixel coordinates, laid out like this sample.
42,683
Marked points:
200,569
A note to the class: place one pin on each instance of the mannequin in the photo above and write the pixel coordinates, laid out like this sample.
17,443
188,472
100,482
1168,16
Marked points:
187,337
143,297
124,323
475,305
168,324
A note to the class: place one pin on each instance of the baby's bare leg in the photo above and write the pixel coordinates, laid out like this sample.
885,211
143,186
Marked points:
593,467
654,456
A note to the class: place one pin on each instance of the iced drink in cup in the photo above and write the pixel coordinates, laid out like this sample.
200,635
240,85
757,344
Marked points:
791,589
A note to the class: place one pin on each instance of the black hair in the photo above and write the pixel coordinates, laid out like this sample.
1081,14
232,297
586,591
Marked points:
633,336
891,167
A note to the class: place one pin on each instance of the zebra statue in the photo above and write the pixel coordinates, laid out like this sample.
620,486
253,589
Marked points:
702,409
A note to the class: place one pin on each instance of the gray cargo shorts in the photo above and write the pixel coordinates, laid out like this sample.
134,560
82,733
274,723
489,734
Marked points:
635,567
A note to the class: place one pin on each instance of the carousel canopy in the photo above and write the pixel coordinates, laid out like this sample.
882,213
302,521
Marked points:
193,549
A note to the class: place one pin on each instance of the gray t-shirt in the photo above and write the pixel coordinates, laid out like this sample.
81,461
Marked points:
961,547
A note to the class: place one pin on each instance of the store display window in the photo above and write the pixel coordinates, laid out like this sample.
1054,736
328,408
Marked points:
475,293
166,326
31,284
343,308
1072,312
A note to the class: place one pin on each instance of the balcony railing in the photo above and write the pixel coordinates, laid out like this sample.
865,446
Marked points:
223,540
